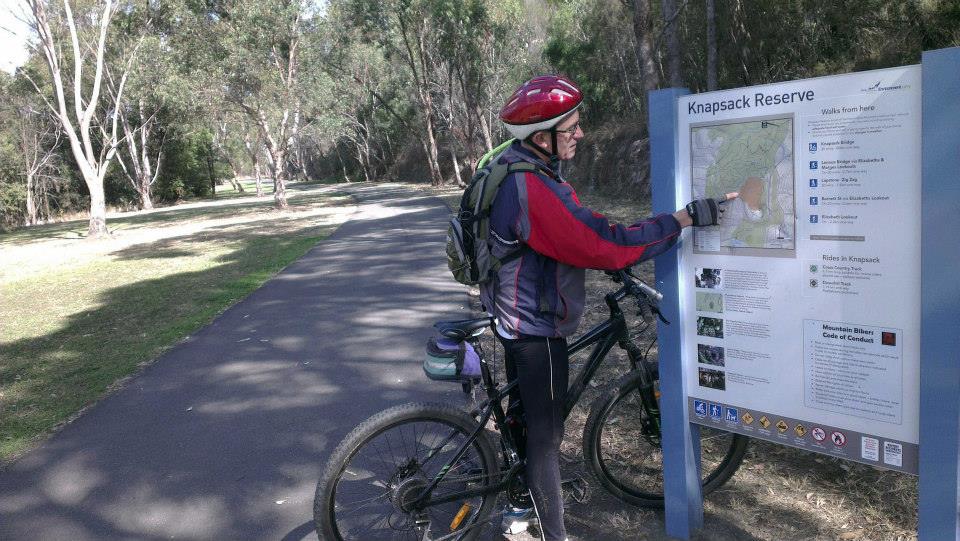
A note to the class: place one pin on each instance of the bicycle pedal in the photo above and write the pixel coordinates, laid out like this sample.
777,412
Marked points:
576,489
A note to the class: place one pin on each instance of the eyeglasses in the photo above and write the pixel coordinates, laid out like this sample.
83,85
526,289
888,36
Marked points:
570,131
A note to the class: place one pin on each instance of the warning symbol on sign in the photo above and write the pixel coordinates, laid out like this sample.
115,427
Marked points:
747,418
782,426
764,422
799,430
818,433
838,439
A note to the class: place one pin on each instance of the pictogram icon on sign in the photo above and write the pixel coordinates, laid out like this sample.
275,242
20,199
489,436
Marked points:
782,426
747,418
818,433
700,407
799,430
764,422
716,411
732,415
838,439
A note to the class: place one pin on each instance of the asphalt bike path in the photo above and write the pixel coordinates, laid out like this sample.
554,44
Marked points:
225,435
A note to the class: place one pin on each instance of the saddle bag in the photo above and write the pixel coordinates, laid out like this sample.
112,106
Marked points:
450,360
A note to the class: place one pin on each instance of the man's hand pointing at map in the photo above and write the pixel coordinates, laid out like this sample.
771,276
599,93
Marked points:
703,212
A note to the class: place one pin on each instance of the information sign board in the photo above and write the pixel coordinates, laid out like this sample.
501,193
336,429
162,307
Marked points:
801,309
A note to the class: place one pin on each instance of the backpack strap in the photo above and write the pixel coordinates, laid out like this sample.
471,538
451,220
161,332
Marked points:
515,167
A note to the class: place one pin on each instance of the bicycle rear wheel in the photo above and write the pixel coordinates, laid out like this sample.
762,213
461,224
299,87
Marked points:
626,456
367,490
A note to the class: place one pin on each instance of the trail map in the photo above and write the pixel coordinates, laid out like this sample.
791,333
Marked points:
754,158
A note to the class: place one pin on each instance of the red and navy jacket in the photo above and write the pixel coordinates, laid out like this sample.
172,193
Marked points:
541,293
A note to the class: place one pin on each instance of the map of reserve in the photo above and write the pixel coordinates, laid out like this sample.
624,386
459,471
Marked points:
754,158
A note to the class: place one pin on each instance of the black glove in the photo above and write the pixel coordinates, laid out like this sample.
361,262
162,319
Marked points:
705,212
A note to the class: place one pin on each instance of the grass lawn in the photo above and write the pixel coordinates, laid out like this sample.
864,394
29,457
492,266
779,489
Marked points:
78,315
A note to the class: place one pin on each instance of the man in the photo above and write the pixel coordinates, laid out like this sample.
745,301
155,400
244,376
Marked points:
538,298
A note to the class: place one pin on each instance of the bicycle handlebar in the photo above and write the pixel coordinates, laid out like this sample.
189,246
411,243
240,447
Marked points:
648,298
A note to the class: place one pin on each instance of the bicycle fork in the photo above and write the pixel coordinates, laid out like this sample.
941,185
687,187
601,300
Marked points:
648,395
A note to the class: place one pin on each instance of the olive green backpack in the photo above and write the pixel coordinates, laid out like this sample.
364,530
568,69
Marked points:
468,236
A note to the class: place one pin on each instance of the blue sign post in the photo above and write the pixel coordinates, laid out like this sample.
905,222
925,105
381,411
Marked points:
940,298
939,439
681,452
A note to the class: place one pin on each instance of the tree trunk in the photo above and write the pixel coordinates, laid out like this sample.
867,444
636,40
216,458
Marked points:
31,200
456,165
643,35
256,172
433,153
343,165
98,210
279,159
146,200
711,45
671,30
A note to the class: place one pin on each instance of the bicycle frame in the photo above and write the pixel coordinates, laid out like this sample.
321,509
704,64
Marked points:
603,337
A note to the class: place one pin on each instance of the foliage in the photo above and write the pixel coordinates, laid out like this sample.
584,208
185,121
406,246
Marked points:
191,168
410,89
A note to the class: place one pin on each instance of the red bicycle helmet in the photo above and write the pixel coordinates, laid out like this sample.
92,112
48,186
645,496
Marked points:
540,104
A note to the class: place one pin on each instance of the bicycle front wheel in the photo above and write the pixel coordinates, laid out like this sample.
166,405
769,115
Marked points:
374,479
624,452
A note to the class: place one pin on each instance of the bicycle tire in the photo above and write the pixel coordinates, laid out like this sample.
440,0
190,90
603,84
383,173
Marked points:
391,473
617,452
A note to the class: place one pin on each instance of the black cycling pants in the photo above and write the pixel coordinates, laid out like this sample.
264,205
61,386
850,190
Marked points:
541,365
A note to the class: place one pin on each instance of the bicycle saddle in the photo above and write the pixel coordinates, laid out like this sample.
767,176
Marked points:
460,329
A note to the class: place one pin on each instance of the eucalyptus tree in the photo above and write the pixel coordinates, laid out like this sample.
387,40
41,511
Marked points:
404,32
257,48
157,89
91,129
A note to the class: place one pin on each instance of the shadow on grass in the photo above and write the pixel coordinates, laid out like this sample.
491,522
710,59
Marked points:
77,229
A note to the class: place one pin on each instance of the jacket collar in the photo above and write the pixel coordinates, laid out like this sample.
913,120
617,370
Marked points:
527,155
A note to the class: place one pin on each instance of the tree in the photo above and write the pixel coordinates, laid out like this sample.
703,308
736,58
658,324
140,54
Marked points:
92,136
37,142
260,51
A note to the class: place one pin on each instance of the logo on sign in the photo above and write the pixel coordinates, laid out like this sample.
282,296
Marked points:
700,408
813,164
733,416
799,430
818,434
813,183
813,200
764,422
814,218
782,426
747,418
716,411
838,439
813,147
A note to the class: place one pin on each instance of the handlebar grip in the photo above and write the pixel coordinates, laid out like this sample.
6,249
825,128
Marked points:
653,294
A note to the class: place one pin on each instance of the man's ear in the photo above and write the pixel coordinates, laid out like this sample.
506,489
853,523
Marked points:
541,140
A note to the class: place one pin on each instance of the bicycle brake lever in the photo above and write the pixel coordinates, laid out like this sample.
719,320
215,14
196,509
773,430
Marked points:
645,311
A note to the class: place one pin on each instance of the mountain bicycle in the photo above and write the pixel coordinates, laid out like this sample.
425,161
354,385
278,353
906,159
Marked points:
432,471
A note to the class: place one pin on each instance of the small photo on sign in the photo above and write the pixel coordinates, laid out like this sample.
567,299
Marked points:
710,355
713,379
708,301
710,326
708,278
888,338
